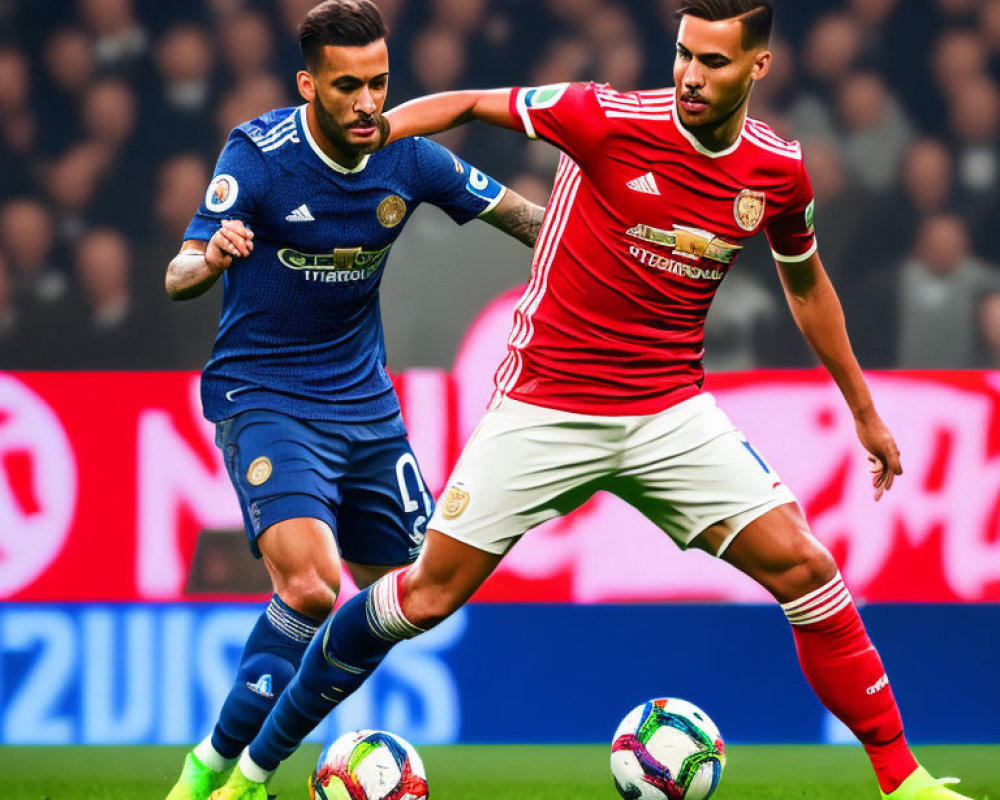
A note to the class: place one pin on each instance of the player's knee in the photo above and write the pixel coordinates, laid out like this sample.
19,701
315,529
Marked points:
426,606
813,567
311,593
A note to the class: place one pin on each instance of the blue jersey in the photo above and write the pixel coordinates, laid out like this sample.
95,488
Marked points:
300,331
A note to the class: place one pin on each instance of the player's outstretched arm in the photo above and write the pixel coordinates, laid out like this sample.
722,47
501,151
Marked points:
439,112
818,313
196,268
517,217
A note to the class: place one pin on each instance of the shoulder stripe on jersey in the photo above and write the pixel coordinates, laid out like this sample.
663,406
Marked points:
657,108
289,137
765,133
564,194
276,132
794,153
627,115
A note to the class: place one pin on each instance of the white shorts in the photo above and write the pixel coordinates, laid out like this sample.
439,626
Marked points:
686,468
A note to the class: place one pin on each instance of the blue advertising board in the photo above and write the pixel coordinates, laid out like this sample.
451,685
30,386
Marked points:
156,674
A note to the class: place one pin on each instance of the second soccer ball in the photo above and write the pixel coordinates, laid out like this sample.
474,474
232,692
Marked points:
667,748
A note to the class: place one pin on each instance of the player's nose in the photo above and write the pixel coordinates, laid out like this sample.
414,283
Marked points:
694,77
366,102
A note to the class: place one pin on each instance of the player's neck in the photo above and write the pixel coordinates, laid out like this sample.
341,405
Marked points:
347,161
722,136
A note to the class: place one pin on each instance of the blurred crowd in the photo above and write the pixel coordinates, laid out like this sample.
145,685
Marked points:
112,113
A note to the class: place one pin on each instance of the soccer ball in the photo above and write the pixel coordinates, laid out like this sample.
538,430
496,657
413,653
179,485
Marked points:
667,748
369,765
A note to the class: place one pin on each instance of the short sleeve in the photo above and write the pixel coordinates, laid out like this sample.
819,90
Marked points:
453,185
241,178
568,115
790,231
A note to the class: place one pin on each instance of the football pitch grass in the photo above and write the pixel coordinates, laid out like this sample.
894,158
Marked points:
494,772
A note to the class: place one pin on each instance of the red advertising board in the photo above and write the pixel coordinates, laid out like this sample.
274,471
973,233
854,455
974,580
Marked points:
107,478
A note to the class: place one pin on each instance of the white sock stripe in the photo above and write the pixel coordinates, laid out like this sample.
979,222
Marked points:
840,605
385,614
818,603
292,626
816,594
815,613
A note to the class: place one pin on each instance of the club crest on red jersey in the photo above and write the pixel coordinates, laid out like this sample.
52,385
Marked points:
748,209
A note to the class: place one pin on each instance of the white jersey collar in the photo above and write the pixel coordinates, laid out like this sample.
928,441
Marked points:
692,139
319,151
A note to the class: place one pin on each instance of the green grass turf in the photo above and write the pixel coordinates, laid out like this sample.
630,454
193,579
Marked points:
493,773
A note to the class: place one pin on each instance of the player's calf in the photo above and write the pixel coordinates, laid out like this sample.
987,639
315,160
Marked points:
340,658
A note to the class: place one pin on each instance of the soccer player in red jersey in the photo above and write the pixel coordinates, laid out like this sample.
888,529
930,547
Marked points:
601,388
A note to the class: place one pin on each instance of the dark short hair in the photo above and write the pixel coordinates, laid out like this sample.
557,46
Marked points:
757,16
342,23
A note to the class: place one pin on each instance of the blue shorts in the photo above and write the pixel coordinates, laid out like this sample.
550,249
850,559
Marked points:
362,480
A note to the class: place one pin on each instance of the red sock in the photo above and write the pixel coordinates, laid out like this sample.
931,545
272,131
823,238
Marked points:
845,671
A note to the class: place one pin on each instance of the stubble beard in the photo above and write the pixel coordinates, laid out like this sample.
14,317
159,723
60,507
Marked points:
337,134
721,119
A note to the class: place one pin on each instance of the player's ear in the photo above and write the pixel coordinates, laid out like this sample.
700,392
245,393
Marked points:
306,84
761,65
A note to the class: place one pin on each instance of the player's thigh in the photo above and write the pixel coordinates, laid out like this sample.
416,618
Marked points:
384,506
301,557
364,575
282,468
522,466
444,577
779,552
689,469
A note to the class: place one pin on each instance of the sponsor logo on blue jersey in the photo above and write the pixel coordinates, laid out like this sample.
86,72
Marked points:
344,264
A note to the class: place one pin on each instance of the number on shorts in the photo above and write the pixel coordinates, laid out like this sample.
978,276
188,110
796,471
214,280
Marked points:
409,504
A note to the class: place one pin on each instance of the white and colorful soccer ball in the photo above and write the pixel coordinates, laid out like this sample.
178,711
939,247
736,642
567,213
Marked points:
369,765
667,748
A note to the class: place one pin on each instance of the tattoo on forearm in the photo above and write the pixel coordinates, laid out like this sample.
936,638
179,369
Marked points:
523,221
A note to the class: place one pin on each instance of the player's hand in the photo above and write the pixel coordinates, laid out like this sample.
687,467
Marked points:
883,454
232,240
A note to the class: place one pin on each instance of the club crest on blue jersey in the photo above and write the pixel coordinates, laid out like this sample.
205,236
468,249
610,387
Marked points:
222,193
391,211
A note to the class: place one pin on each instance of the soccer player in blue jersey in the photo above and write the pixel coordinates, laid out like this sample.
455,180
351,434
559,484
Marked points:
298,221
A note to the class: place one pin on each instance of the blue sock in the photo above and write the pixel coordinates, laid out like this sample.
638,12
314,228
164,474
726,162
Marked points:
344,653
270,658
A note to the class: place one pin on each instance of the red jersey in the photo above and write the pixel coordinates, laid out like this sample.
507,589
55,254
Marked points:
642,226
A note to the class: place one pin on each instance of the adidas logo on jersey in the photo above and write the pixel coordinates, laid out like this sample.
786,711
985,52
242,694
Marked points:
645,184
301,214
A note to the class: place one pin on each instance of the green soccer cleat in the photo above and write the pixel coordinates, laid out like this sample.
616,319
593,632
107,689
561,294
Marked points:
197,781
921,785
240,787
